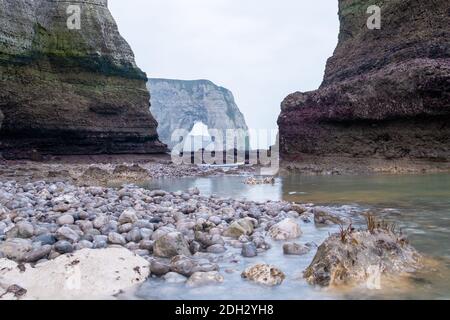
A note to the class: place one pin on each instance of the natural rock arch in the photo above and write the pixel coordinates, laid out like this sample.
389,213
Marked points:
178,104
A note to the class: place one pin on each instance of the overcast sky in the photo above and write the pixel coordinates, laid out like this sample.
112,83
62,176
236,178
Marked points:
261,50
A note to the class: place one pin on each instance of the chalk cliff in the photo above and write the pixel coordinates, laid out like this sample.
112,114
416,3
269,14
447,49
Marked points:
70,91
178,104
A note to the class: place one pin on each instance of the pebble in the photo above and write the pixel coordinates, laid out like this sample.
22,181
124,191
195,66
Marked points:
216,249
173,277
63,247
46,239
158,268
65,219
65,233
156,224
25,230
249,250
116,238
205,279
38,254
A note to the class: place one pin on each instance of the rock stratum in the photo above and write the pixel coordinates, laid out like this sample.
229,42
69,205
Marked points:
179,104
70,91
386,92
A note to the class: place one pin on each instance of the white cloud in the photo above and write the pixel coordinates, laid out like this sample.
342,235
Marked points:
261,50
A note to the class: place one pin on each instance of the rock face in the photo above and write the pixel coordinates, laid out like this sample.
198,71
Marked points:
70,91
386,93
363,257
178,104
285,230
264,274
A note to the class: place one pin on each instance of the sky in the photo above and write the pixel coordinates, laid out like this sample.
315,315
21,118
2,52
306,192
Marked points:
261,50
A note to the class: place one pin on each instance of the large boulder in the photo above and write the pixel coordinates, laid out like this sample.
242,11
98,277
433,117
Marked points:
85,274
264,274
385,95
70,91
352,258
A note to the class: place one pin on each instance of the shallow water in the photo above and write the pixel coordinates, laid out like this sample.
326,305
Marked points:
418,204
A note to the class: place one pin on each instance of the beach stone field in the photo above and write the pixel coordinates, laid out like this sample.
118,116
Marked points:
175,236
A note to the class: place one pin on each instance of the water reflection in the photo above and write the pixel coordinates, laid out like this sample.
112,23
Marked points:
418,204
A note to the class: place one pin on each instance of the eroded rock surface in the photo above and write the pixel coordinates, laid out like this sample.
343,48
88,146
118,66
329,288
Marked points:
386,93
362,257
70,91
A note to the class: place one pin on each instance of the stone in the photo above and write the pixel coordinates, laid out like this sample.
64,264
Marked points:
116,238
65,233
125,228
37,254
102,121
146,245
178,104
249,250
24,229
84,225
295,249
170,245
215,219
379,84
85,274
63,247
199,279
84,244
285,230
183,265
323,216
65,219
100,244
158,268
216,249
352,260
128,216
240,227
101,221
134,235
173,277
264,274
15,249
146,233
45,239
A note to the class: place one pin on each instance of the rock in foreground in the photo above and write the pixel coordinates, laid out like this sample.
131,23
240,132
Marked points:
86,274
361,257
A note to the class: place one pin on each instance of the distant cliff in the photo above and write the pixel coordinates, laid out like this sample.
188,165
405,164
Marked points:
386,93
178,104
70,91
